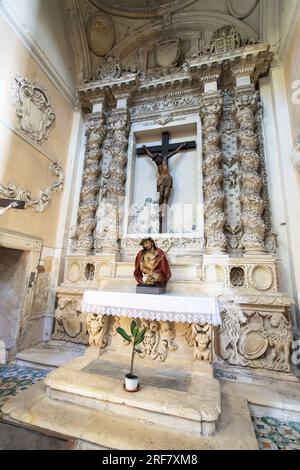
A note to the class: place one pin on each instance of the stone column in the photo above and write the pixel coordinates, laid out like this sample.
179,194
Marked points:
95,133
251,181
211,105
112,187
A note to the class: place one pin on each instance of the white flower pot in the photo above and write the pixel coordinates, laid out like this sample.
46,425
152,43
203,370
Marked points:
131,382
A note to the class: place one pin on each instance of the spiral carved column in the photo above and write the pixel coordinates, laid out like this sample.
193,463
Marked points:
213,174
251,181
112,188
95,133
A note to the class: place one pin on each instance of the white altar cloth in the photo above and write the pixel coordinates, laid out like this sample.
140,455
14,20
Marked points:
180,309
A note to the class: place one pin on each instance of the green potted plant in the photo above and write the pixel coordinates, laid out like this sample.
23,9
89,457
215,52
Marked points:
136,337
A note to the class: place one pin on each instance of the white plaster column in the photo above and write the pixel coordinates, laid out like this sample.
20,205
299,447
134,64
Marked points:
251,181
211,109
95,133
283,182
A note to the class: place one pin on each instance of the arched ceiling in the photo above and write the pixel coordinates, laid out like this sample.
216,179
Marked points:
121,28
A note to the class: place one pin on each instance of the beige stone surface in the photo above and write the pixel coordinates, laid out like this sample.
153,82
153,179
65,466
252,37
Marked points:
21,163
201,402
32,407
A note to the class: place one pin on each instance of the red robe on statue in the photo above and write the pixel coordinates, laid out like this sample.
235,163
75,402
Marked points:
162,268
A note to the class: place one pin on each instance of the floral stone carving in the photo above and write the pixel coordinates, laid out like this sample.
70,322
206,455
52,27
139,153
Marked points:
33,109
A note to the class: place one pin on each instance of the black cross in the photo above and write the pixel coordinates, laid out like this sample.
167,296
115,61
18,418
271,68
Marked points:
165,146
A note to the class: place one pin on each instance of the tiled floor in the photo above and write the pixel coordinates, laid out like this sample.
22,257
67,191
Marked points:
14,378
271,433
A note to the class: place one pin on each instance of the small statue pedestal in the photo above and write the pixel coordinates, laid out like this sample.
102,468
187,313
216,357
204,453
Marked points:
146,289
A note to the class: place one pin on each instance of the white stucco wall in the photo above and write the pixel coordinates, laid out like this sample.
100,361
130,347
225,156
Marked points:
43,22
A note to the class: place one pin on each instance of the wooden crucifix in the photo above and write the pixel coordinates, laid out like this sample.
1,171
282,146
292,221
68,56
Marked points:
160,155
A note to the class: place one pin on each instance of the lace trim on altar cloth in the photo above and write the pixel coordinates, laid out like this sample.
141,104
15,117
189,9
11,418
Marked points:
178,317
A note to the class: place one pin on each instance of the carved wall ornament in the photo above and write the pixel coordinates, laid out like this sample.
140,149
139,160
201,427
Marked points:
101,34
256,339
199,337
43,201
97,327
240,9
261,277
70,322
202,341
159,338
171,102
33,109
110,69
180,246
168,52
237,276
225,39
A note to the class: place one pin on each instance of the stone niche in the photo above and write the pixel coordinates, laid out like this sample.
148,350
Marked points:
13,272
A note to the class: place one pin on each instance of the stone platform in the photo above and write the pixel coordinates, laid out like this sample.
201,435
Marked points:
84,400
169,398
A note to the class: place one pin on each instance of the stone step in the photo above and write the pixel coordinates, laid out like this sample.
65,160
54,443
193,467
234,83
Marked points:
93,428
199,400
49,355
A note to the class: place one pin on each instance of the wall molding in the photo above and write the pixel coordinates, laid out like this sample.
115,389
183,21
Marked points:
37,54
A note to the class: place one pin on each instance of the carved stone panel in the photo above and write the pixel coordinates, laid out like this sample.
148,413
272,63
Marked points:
97,327
199,337
101,34
159,338
70,322
33,109
255,338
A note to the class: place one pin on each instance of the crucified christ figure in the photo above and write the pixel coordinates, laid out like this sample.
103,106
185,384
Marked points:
165,180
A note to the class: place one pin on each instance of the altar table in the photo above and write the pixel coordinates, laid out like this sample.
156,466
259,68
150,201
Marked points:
167,307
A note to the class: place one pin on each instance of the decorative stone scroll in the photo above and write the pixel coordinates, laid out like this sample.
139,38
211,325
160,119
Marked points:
95,132
254,228
258,339
33,109
112,186
213,174
40,204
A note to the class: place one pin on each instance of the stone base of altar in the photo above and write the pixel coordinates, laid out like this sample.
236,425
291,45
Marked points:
176,408
172,399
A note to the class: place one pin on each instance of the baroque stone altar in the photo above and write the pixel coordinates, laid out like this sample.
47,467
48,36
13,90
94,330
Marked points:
214,91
